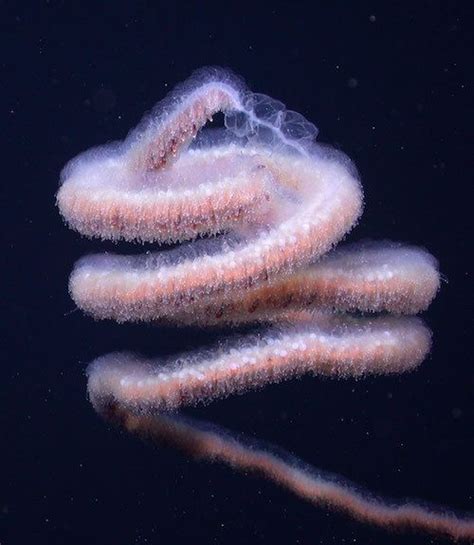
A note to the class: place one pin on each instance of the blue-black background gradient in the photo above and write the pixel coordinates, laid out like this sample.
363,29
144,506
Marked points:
389,84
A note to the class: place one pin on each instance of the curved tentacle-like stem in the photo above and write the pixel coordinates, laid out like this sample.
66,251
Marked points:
268,205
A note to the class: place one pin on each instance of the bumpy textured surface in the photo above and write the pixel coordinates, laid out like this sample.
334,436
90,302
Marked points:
278,204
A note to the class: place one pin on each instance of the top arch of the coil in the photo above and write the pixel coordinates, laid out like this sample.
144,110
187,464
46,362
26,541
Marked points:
253,117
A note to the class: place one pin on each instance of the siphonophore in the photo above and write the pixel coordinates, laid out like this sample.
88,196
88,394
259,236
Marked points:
257,209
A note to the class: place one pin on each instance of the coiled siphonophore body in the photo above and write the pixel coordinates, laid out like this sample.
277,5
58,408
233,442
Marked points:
258,208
